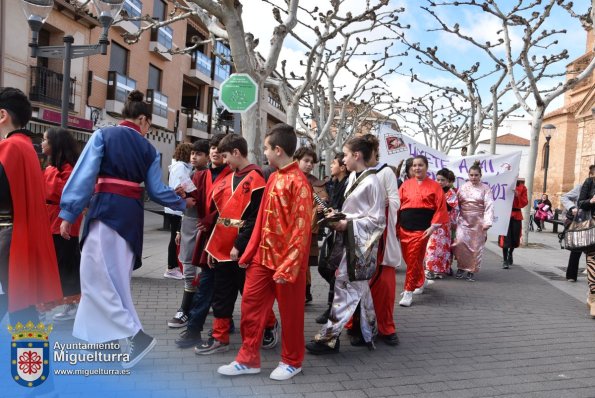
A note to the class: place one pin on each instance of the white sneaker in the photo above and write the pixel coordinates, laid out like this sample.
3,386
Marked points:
284,372
237,369
420,290
173,273
407,299
67,314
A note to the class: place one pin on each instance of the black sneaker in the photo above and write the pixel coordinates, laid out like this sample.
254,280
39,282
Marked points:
505,264
323,318
179,320
210,347
390,339
189,338
317,348
459,274
470,277
270,337
138,347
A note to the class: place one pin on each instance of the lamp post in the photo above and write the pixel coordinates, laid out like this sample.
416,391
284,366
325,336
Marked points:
548,130
37,11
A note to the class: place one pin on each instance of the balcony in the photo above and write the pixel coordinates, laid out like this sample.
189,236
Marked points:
133,9
222,72
46,87
158,102
201,67
162,41
197,123
118,87
273,105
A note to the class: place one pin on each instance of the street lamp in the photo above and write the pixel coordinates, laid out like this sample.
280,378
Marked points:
548,130
37,11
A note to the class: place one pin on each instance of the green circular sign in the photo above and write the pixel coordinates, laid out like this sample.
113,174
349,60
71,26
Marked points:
239,92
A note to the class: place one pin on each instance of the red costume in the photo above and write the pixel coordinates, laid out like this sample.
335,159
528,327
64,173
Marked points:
278,249
203,180
55,180
513,238
32,268
422,205
237,204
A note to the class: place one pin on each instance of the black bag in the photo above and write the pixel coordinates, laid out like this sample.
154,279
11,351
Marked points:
331,251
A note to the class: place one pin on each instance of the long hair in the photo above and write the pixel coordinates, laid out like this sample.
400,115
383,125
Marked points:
63,147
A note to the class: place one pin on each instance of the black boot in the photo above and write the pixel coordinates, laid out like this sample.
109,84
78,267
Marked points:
318,348
308,294
323,318
510,262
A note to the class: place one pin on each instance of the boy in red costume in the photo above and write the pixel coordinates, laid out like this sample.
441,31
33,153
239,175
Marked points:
277,257
236,199
28,267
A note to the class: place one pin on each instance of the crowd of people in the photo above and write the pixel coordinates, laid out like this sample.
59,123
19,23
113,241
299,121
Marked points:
236,229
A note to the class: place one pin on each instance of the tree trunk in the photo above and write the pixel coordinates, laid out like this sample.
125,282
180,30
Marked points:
252,129
493,138
533,149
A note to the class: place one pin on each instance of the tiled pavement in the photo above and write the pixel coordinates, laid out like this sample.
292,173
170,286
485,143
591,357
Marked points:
512,333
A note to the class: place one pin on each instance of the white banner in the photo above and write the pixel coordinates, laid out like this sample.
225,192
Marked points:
500,172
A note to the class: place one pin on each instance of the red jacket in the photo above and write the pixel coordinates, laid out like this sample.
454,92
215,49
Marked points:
281,237
55,180
520,201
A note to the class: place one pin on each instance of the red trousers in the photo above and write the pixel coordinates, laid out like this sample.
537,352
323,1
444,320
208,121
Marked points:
413,246
260,292
221,326
383,286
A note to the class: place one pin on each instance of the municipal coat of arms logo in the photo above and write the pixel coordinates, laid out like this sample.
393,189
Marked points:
30,353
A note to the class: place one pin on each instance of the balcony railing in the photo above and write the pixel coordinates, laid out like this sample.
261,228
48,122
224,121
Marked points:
164,36
134,10
118,86
276,102
202,62
197,120
46,87
159,102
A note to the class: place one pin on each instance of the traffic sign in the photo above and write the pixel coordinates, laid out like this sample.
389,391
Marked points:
239,92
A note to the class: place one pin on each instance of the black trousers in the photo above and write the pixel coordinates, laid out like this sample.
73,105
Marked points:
68,253
175,222
573,261
229,281
24,315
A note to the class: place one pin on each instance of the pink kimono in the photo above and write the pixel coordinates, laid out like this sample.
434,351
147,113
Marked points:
476,206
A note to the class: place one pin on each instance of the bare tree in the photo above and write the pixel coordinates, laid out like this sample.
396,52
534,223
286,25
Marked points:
536,61
441,116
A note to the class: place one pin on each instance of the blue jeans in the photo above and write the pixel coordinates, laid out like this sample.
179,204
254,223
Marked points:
201,302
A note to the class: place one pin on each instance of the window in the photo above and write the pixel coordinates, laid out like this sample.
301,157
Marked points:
134,10
154,78
222,69
118,59
159,10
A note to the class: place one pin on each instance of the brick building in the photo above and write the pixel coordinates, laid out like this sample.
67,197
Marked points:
572,146
182,88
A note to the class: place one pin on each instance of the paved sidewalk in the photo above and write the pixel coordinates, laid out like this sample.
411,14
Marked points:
513,333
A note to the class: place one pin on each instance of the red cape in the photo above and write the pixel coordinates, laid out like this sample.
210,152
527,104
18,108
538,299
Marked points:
33,276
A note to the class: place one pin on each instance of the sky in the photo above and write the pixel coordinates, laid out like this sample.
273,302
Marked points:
472,21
